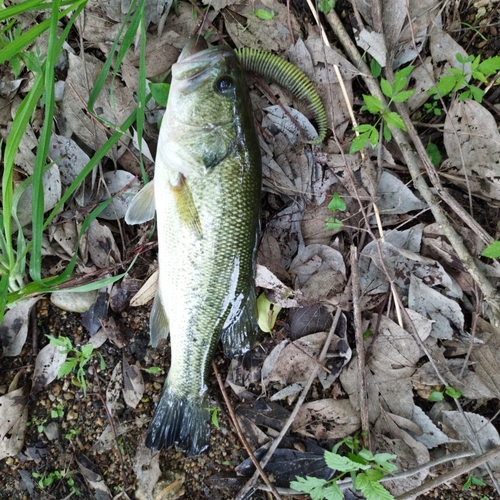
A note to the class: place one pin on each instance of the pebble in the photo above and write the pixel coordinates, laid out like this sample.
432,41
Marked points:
72,415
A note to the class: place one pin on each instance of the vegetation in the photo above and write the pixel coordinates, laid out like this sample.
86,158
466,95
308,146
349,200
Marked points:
365,469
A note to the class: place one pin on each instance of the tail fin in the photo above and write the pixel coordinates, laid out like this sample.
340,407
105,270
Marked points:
182,420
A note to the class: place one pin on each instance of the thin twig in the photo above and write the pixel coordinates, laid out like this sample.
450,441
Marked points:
251,482
236,425
360,350
453,473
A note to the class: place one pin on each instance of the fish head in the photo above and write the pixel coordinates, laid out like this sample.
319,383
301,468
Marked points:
207,106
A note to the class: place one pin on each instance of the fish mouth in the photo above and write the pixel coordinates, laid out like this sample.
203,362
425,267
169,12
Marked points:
196,61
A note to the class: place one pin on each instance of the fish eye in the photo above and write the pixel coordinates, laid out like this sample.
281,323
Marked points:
224,84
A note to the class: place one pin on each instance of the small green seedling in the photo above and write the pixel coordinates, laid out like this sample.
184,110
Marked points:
492,251
336,204
449,391
77,360
368,133
40,424
153,370
365,469
72,433
45,480
471,480
58,412
434,154
265,15
458,79
214,412
326,6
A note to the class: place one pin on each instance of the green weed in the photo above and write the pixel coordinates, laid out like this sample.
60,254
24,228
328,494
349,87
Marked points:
365,469
214,412
460,79
76,360
368,133
336,204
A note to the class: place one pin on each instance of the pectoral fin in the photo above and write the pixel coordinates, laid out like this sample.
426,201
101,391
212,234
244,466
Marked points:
142,207
239,336
186,208
158,322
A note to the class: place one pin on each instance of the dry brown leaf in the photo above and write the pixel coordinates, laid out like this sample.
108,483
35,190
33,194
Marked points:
51,192
114,388
80,79
410,453
14,327
293,362
47,364
443,311
401,264
471,136
102,247
146,292
247,30
13,418
94,480
107,439
314,259
391,361
487,363
327,419
133,384
147,470
486,435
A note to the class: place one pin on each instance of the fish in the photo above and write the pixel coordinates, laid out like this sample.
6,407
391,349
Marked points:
206,193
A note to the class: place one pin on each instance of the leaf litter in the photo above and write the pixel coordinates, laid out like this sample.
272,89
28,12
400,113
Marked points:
305,267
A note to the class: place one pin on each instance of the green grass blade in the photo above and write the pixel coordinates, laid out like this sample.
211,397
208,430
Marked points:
28,6
4,288
43,147
17,45
141,92
103,74
21,120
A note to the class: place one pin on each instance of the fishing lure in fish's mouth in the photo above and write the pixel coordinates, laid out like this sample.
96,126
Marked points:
206,193
288,76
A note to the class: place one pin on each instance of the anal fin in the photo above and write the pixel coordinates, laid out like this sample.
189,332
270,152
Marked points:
158,321
239,336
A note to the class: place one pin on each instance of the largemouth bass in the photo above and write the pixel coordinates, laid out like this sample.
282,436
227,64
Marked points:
206,193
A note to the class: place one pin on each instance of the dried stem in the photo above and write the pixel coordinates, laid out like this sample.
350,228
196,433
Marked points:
360,350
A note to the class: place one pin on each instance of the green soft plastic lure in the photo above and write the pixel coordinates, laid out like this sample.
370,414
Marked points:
288,76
